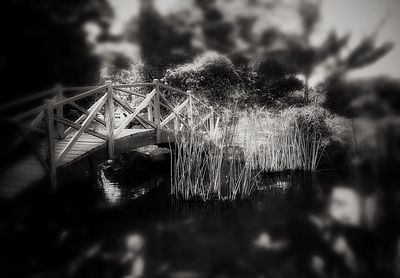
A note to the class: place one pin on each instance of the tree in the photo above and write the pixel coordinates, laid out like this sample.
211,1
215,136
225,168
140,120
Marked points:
162,43
237,30
305,57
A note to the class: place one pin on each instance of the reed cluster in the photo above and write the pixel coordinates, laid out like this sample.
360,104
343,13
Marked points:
293,139
227,165
207,169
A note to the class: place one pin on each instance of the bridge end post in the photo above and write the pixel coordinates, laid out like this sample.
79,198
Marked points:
156,109
51,155
109,113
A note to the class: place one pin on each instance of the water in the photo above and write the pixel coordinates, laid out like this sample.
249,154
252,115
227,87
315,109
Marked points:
126,225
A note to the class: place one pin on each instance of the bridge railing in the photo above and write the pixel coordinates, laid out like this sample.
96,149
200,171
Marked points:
152,105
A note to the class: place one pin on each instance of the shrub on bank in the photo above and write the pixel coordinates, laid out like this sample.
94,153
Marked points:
210,75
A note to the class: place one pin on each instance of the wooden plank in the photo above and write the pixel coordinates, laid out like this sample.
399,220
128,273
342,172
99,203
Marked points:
126,106
140,118
175,112
85,124
37,119
80,119
86,112
110,120
78,151
132,85
131,93
80,146
141,106
150,116
173,89
156,108
77,127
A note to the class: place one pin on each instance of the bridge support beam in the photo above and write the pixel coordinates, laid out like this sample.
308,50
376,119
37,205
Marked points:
156,109
109,111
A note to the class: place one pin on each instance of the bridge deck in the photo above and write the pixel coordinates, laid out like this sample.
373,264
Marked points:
28,171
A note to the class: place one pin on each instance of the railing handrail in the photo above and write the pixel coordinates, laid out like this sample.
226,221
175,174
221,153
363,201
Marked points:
132,85
180,112
80,96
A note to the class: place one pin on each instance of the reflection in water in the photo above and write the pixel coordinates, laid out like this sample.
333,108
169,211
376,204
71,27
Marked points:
117,191
281,228
111,189
295,225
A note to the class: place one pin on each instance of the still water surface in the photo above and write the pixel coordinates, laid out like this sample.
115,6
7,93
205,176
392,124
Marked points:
127,225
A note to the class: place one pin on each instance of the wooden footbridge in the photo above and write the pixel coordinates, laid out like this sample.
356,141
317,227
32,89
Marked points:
79,127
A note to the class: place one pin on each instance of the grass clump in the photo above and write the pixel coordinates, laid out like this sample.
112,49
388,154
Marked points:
207,169
290,139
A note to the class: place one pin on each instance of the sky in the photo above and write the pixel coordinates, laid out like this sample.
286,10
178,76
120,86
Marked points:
357,17
360,17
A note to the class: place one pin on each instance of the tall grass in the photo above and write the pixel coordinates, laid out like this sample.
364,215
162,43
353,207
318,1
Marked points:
293,139
207,169
227,166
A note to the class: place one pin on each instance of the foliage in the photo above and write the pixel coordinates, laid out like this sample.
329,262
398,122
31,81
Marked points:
216,78
210,75
275,80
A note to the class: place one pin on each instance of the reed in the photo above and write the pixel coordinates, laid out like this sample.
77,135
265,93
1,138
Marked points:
293,139
207,169
227,166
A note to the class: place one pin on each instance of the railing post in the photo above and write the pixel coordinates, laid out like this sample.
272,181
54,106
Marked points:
190,110
150,111
156,109
109,113
51,155
59,111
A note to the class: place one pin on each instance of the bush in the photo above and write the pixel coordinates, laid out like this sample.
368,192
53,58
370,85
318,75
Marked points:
273,81
210,75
